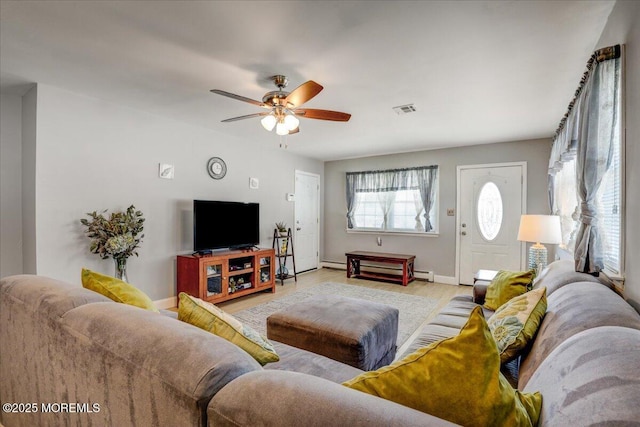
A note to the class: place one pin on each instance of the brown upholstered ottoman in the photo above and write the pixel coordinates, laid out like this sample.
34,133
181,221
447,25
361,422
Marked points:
359,333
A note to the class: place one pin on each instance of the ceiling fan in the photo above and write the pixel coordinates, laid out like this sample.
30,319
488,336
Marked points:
284,108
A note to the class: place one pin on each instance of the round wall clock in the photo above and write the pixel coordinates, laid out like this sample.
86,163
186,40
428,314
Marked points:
217,168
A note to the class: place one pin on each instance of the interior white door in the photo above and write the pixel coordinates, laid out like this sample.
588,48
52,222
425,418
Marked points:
307,220
491,200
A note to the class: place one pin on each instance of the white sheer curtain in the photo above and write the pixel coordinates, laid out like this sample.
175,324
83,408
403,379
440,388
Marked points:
594,154
386,199
417,202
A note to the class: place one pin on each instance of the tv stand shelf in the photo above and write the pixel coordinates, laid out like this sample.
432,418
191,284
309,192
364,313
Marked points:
225,275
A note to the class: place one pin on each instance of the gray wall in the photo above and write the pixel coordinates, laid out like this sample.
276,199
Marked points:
624,27
435,254
29,134
10,185
92,155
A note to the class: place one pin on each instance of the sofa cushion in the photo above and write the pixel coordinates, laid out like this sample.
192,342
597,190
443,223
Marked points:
49,297
572,309
591,379
516,322
429,334
270,398
457,379
560,273
117,290
506,285
207,316
298,360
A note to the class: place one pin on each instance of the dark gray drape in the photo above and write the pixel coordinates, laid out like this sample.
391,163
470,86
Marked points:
426,185
352,183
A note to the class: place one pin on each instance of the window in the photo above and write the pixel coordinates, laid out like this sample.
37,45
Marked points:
610,199
404,214
489,211
393,200
369,211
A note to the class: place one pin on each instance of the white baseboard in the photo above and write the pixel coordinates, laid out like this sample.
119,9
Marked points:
336,265
426,275
447,280
163,304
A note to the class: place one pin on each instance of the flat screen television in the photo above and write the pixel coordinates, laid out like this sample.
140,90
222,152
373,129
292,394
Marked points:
218,224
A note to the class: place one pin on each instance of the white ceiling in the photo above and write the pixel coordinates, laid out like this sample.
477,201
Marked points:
477,71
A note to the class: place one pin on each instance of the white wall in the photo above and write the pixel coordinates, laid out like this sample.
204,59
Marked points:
93,155
623,27
435,254
10,185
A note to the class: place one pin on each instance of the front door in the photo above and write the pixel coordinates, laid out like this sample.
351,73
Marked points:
491,200
307,220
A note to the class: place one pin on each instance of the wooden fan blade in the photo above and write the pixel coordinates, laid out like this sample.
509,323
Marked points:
312,113
239,98
248,116
303,93
294,131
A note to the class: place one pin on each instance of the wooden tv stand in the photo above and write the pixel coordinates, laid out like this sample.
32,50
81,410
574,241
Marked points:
227,274
406,261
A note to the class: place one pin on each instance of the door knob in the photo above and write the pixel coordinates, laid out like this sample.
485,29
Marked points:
464,233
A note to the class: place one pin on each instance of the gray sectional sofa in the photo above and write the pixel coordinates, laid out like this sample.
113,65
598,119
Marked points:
63,344
585,358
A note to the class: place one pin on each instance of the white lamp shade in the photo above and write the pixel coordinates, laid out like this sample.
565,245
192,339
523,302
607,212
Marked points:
291,122
281,129
268,122
540,229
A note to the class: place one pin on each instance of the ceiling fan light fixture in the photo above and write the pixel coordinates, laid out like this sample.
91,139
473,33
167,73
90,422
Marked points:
291,122
281,129
268,122
285,107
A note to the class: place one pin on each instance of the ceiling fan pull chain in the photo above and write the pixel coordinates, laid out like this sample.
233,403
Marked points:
283,145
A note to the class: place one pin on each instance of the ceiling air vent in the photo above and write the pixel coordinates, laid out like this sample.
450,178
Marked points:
404,109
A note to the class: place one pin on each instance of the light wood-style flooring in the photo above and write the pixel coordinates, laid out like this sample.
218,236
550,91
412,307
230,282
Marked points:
441,292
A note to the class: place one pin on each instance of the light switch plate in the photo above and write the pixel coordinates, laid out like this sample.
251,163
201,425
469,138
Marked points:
254,183
291,197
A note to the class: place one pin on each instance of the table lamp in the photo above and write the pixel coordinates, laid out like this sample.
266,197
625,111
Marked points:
539,229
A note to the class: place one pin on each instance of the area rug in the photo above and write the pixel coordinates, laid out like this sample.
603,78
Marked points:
413,309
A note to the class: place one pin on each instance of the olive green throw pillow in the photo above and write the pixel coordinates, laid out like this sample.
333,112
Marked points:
457,379
506,285
117,290
207,316
516,322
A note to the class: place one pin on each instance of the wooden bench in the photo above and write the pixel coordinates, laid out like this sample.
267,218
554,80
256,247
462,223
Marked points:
406,261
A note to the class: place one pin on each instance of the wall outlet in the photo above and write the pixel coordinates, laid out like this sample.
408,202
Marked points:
451,212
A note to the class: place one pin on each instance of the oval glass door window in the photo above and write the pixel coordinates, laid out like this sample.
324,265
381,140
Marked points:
489,211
